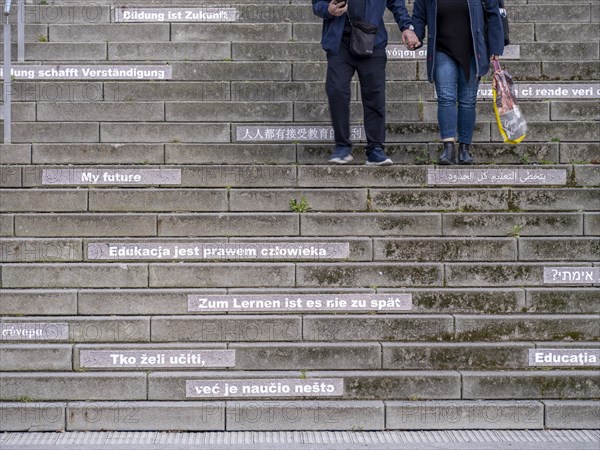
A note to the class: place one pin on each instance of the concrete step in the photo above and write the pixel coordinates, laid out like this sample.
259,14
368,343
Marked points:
283,356
137,302
373,385
330,328
260,154
289,415
556,178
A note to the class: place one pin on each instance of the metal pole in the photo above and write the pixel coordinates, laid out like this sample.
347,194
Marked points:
21,30
7,80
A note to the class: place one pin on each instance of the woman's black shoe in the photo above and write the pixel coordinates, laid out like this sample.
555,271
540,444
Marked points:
464,157
448,156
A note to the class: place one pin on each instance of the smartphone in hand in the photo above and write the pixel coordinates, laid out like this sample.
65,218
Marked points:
340,3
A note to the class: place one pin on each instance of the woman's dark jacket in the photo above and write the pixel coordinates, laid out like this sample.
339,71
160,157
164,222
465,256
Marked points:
333,27
424,15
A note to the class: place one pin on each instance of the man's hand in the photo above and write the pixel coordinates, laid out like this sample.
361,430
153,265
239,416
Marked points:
335,9
410,39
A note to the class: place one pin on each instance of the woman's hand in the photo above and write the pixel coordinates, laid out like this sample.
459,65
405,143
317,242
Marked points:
337,9
494,58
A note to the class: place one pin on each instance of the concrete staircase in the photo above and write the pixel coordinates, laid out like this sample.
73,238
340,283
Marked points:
176,255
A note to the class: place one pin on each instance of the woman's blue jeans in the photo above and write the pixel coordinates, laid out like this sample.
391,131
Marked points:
457,98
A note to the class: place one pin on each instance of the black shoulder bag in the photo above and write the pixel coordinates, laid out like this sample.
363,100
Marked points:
362,38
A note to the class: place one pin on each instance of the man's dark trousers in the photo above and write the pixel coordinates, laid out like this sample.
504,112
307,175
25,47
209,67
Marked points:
371,74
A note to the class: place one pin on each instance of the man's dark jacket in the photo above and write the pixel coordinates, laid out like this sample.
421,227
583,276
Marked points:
333,27
424,14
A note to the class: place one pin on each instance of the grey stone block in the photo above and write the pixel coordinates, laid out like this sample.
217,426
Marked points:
164,132
21,112
377,328
97,153
33,31
489,274
135,301
400,385
234,71
228,225
40,250
58,51
466,301
579,152
527,327
158,200
571,70
166,91
29,200
305,415
7,225
302,356
52,386
30,417
592,224
555,384
226,328
101,111
556,300
94,329
370,224
279,200
582,51
559,249
28,358
440,199
572,414
276,51
55,132
575,111
92,225
445,249
505,224
252,32
229,112
229,154
15,153
10,176
258,176
146,416
587,175
169,51
54,91
437,356
368,274
38,302
207,275
74,275
549,14
580,32
361,176
298,92
441,415
113,32
55,14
